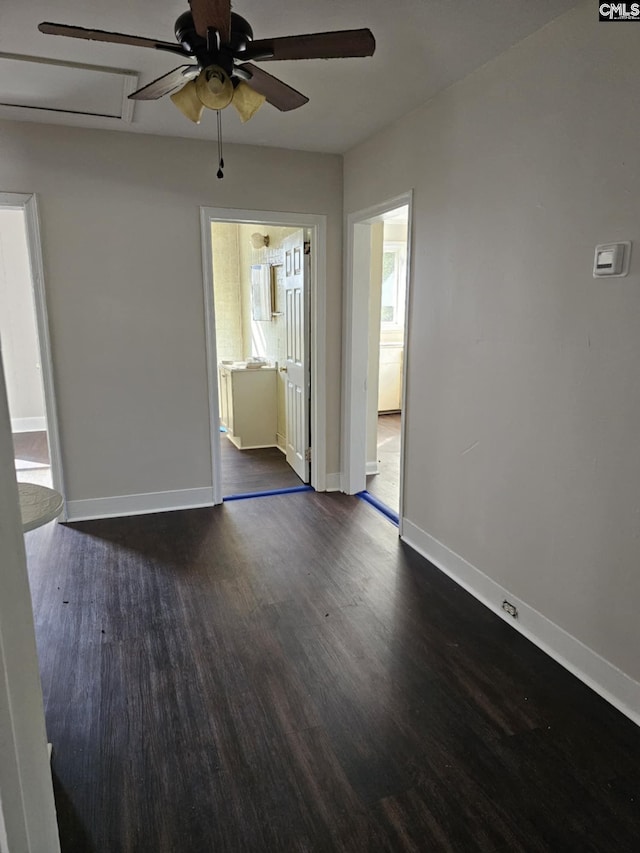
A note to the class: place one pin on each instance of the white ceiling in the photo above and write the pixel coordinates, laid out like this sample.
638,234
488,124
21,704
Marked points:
423,46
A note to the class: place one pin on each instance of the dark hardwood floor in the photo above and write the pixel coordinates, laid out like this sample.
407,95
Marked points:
284,675
31,453
385,485
31,446
258,470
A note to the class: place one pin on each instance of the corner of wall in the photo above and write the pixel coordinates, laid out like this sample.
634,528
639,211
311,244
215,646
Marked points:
609,682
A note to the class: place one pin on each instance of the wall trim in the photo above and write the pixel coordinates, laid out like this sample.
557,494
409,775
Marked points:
144,504
371,468
611,683
333,482
27,807
28,424
28,203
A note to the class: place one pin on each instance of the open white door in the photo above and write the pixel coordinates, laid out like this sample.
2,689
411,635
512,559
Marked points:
296,368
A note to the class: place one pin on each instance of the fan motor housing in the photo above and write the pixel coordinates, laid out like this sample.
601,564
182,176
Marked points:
185,30
241,32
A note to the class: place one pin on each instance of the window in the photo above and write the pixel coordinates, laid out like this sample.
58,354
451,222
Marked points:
394,262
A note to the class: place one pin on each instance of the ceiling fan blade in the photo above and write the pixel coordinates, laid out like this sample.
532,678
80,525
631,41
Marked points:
212,13
336,45
114,38
277,93
166,84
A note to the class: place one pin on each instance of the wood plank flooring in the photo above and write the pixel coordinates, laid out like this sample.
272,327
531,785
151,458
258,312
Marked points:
385,485
258,470
282,674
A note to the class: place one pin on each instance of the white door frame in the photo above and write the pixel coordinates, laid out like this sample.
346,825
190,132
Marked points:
317,223
27,807
355,347
29,205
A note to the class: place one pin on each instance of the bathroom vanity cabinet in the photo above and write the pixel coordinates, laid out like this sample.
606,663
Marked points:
390,377
249,405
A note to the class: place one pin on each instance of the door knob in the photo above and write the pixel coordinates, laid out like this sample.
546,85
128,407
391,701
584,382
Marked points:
283,370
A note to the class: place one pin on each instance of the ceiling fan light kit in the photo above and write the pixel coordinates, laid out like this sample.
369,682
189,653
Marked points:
188,102
220,46
247,101
214,88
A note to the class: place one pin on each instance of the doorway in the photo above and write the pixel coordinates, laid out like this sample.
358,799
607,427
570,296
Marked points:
375,345
387,301
25,347
264,300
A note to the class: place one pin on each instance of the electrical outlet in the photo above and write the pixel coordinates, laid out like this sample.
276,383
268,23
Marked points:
509,608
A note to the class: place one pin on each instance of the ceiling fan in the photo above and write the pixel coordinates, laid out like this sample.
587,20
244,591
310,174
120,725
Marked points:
222,51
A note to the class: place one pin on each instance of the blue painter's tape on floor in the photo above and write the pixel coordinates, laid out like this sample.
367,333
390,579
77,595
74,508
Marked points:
388,513
267,494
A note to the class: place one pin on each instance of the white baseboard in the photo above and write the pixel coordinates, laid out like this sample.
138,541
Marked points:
123,505
332,483
602,676
237,442
28,424
371,468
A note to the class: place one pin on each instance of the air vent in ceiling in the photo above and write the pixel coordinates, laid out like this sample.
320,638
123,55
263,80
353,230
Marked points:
29,83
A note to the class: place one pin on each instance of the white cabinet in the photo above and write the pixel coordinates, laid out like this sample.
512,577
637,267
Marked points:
249,405
390,379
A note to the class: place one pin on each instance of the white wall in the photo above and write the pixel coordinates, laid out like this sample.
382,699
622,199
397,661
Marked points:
18,332
122,261
227,291
523,396
27,819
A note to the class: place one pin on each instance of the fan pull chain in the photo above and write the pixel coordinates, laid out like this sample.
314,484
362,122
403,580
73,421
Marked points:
220,173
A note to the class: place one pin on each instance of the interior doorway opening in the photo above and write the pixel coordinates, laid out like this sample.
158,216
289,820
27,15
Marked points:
375,345
264,300
255,323
387,304
25,345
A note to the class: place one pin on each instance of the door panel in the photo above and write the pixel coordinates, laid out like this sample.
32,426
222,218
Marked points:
297,362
